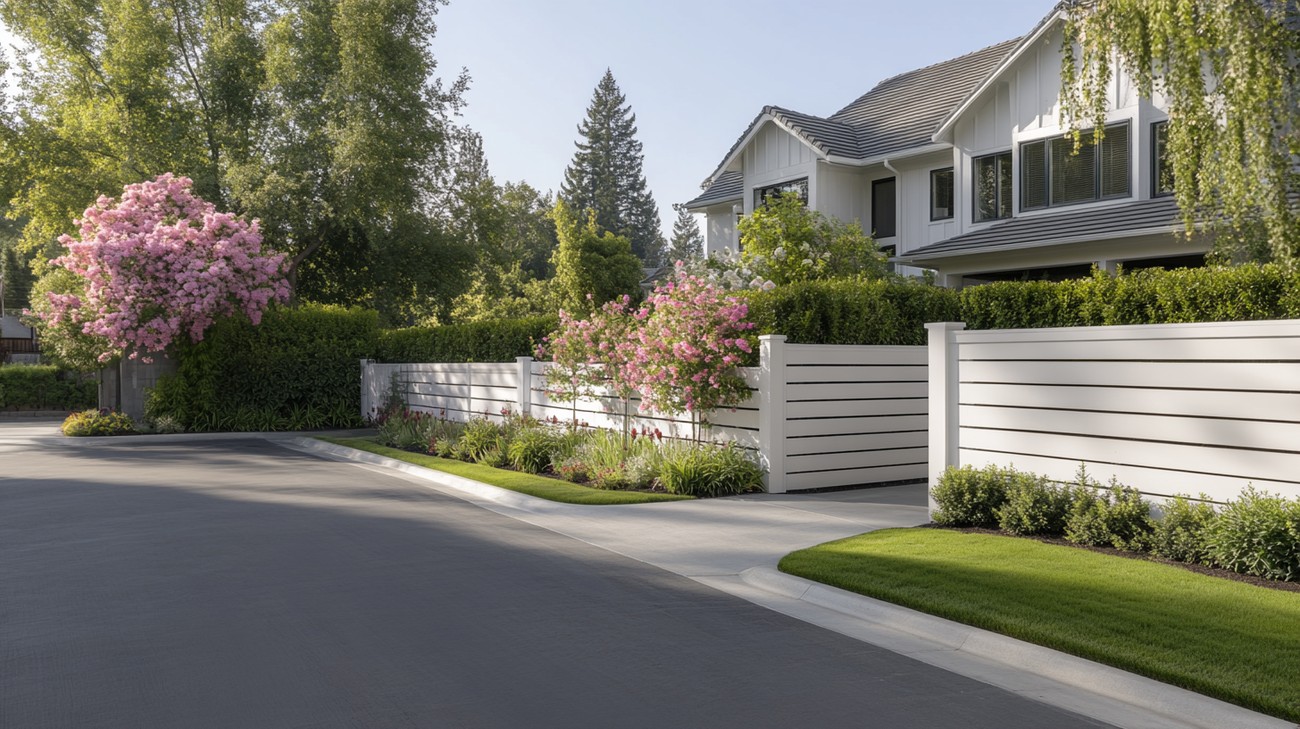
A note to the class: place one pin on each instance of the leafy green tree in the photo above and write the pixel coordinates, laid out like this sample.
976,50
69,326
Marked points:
688,242
591,268
322,118
606,173
1233,133
16,278
784,242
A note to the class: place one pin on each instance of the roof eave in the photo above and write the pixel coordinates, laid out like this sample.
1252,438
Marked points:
1047,24
941,255
765,116
891,157
704,205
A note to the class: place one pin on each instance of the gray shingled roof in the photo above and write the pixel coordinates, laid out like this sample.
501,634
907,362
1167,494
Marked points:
1143,216
900,113
729,186
904,111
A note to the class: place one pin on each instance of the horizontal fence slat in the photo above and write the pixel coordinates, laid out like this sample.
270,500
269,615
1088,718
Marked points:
1244,465
855,477
1206,403
863,459
1256,376
816,409
856,391
843,354
1192,431
856,442
1255,348
871,424
892,373
1136,332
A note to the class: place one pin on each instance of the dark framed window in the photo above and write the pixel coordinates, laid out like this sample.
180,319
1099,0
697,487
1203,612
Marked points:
992,186
941,197
1051,174
1162,173
884,208
762,194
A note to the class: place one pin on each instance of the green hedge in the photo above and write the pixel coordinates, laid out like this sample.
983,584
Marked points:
1150,296
300,369
45,387
851,312
488,341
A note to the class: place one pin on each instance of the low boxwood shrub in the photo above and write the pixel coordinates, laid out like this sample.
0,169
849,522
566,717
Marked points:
1257,534
970,497
1116,517
1034,506
98,422
1182,531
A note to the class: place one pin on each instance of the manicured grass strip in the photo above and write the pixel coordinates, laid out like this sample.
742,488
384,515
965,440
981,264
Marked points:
524,483
1225,639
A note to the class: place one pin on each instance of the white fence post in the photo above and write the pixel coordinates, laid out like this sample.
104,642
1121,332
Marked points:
771,410
524,395
367,391
945,376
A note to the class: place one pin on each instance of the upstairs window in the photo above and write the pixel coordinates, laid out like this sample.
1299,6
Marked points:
1051,175
762,194
941,197
884,209
1162,173
992,186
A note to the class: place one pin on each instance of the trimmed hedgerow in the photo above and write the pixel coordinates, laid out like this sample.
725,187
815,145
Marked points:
297,370
44,387
486,341
851,311
970,497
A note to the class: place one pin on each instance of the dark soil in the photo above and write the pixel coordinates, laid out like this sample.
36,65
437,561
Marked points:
1197,568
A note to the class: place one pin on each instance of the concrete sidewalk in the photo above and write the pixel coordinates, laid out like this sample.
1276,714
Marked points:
734,544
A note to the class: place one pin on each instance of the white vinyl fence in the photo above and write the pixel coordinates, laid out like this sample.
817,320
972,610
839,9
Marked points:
1168,409
819,416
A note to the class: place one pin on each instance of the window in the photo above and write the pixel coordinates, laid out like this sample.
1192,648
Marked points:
1162,173
993,187
941,194
1050,174
761,194
884,209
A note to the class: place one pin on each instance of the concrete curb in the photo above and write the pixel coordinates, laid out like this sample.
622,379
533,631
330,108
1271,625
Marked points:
157,438
1170,701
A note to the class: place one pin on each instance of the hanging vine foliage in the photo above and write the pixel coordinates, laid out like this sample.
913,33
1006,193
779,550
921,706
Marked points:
1228,70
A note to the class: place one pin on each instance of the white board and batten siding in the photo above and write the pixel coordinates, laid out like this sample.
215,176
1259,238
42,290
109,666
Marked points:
817,417
1168,409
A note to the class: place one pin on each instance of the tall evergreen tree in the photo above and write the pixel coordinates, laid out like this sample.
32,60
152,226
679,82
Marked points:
606,175
688,242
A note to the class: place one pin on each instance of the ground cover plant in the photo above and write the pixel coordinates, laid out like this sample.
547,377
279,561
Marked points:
525,483
1231,640
98,422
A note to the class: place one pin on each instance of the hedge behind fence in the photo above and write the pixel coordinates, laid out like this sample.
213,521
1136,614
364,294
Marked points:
299,369
44,387
488,341
1150,296
851,312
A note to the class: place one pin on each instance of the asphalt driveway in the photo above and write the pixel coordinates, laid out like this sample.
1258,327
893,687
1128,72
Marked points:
241,584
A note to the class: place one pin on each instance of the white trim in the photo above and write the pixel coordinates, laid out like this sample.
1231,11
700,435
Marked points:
1047,24
757,124
1135,233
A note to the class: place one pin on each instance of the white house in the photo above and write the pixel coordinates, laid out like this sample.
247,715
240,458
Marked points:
963,168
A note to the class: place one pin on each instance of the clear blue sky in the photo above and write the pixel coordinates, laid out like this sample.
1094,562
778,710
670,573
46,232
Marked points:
695,72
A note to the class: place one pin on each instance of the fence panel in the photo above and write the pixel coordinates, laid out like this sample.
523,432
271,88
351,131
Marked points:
1169,409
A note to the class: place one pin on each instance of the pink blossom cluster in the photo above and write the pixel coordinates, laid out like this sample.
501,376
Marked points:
162,263
679,350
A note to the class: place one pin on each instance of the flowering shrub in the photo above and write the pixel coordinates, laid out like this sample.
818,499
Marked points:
159,264
684,354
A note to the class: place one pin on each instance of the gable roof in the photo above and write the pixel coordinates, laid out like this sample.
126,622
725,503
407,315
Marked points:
900,113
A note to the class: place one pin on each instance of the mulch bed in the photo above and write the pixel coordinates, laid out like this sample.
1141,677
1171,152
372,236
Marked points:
1197,568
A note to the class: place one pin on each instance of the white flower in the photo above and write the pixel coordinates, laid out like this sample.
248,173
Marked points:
807,261
768,285
779,253
756,283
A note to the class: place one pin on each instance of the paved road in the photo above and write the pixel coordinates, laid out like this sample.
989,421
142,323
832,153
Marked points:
240,584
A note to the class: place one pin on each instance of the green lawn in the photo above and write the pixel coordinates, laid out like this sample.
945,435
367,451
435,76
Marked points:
525,483
1226,639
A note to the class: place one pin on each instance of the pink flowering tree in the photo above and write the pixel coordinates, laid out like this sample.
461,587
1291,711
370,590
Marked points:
589,356
691,338
158,265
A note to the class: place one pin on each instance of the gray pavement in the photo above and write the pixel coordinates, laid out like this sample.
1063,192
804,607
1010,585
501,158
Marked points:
637,646
236,583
